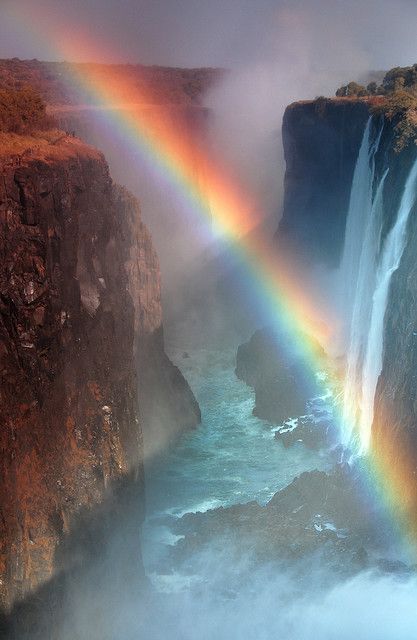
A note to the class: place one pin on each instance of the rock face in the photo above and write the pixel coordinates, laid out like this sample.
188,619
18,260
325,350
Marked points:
319,515
321,143
80,331
282,385
395,418
163,209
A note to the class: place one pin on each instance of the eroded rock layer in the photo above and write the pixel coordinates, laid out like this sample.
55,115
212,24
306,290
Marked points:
79,312
321,143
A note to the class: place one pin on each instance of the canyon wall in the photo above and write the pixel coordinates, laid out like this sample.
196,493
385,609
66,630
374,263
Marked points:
80,335
395,420
321,141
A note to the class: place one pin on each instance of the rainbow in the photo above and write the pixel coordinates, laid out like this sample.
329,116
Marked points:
231,214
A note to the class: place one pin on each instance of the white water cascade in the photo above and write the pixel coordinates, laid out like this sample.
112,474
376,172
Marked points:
370,266
360,205
389,262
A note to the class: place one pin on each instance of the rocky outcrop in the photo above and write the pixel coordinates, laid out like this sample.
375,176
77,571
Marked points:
281,382
315,432
321,140
80,325
321,143
167,404
319,515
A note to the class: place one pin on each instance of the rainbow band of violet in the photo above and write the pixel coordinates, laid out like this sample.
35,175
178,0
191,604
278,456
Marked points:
229,213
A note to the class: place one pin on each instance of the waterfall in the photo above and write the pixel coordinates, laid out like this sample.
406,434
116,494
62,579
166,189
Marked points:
360,204
370,267
360,320
389,262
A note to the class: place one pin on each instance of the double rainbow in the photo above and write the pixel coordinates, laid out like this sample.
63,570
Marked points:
231,214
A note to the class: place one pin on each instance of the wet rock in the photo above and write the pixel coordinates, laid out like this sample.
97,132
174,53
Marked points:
318,515
281,382
75,360
321,143
39,316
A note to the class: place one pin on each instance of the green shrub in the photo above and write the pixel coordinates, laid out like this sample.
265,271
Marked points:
399,102
400,107
351,89
22,111
372,89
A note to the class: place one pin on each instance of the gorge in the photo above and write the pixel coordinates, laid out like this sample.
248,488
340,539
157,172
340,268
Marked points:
267,507
82,329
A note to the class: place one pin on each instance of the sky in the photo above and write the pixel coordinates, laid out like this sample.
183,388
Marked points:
372,34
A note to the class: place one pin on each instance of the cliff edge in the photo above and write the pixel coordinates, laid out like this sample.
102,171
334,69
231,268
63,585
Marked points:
80,323
321,142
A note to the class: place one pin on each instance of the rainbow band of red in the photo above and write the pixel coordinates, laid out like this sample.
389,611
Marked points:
229,212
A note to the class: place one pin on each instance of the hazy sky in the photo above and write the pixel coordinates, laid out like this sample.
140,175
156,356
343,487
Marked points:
348,34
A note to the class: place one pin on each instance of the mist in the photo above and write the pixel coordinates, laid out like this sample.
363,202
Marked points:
368,607
372,34
273,53
236,601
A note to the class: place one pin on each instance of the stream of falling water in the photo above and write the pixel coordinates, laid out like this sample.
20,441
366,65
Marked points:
388,263
365,275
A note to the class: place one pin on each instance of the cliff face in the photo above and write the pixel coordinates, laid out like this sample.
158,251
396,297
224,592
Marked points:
80,321
178,244
167,404
321,143
395,419
282,385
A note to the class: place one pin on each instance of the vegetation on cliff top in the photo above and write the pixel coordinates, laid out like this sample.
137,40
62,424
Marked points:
54,81
22,111
25,126
398,101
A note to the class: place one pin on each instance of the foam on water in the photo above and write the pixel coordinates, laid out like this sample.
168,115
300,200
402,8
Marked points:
230,458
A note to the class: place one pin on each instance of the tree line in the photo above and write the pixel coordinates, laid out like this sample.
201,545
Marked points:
22,111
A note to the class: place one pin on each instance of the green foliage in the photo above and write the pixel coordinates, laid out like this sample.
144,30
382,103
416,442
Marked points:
406,131
401,78
398,102
351,89
21,111
372,89
400,107
158,85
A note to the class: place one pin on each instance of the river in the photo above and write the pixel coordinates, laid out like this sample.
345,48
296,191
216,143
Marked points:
232,457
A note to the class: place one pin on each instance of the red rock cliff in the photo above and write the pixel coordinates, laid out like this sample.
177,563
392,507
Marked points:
80,320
